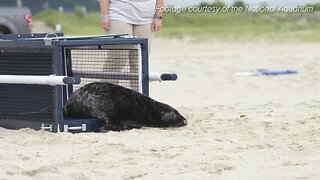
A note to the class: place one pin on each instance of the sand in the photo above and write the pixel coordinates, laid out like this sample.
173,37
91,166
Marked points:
240,127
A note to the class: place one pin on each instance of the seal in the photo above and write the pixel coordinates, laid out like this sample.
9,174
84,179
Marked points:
121,108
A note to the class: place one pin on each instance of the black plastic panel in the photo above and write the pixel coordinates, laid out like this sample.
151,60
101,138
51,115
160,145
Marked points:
26,102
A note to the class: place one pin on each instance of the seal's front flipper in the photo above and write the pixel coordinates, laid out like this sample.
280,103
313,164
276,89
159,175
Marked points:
103,129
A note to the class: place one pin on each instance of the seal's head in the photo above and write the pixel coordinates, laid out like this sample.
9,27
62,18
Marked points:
174,118
168,116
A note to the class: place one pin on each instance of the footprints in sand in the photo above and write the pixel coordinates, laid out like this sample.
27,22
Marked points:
296,146
135,176
256,146
39,170
293,164
23,157
30,173
216,168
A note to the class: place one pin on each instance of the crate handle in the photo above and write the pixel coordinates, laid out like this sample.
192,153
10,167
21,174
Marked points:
83,127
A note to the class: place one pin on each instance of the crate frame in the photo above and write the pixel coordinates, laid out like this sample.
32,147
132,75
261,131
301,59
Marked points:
59,44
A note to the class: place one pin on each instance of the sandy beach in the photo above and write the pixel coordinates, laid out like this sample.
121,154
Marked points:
240,127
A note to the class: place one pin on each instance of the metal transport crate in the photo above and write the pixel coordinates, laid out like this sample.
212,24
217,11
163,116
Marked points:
38,72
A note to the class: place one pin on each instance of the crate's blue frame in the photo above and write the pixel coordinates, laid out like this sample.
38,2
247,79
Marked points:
58,46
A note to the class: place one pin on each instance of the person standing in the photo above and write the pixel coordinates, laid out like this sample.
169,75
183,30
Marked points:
139,18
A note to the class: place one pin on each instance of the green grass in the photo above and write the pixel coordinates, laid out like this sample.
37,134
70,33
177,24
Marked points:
206,26
243,26
72,24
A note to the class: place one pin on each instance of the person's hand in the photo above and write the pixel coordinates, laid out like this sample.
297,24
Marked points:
106,24
156,24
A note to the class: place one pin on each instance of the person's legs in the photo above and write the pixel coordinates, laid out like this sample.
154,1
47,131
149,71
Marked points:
144,31
119,27
117,60
141,31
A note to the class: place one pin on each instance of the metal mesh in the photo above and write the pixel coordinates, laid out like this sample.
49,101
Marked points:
118,66
26,102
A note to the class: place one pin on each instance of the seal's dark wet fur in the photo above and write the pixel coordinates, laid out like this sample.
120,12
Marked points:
117,105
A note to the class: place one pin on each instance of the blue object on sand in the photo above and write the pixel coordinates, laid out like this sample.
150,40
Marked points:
276,73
